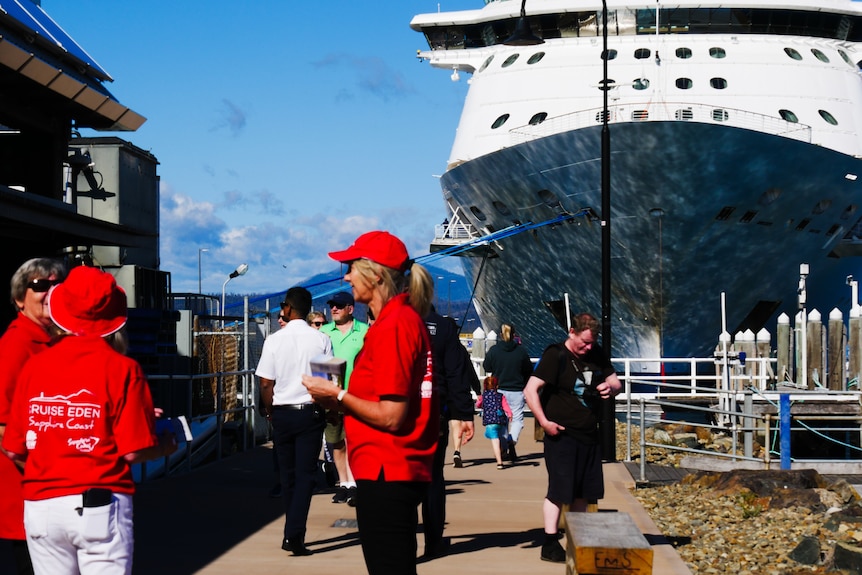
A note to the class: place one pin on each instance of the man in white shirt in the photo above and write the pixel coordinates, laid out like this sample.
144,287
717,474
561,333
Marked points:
297,423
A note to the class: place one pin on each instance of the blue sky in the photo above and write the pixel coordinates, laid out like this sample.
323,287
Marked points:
283,129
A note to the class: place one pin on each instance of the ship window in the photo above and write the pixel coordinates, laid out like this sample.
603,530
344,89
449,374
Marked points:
845,56
803,224
821,207
612,54
716,52
769,196
480,215
683,53
611,83
718,83
499,121
849,211
788,116
536,58
640,115
502,208
828,117
724,214
642,53
509,61
793,53
833,230
640,84
549,198
747,217
683,114
486,63
719,115
600,116
684,83
820,55
538,118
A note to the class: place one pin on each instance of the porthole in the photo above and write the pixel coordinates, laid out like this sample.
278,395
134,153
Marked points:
502,208
535,58
719,115
486,63
684,83
499,121
683,53
793,53
821,207
538,118
820,55
683,114
845,57
642,53
612,54
509,61
717,52
480,215
610,83
769,196
788,116
828,117
718,83
640,84
849,211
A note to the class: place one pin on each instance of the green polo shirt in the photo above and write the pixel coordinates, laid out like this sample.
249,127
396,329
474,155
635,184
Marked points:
346,346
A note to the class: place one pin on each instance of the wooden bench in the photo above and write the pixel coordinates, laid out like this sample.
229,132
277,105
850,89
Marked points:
605,544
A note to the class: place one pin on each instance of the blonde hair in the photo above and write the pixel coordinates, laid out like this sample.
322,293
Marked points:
314,315
418,284
507,332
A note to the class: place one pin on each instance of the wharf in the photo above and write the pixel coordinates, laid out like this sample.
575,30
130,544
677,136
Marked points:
219,520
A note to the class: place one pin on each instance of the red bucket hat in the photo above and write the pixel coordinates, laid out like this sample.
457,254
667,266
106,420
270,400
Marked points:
380,247
88,302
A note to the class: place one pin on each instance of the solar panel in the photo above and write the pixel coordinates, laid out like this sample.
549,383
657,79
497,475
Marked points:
37,21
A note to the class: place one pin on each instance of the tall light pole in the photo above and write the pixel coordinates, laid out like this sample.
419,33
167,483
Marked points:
437,290
200,250
239,271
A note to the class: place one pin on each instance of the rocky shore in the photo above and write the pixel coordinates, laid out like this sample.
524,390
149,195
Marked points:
753,522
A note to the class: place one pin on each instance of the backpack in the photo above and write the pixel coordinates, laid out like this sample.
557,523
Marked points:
492,407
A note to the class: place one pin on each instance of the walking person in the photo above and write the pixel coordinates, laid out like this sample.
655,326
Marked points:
456,408
29,333
347,334
297,423
563,393
82,415
495,417
391,411
510,364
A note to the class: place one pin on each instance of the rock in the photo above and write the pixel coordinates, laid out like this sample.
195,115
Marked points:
848,556
807,552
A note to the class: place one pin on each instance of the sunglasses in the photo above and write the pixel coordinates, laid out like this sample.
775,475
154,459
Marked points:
41,285
281,317
338,305
317,323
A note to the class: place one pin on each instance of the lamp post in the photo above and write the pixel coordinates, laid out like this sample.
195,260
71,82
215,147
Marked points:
436,291
449,305
200,250
239,271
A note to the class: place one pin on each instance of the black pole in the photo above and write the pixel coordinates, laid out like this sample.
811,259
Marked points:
608,427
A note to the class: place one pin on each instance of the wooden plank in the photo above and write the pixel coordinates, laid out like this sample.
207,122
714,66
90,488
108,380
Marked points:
606,544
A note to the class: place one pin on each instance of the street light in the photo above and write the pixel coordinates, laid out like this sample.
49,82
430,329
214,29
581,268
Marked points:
239,271
200,291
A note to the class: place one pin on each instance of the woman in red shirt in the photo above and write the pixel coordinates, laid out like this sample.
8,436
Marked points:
28,334
391,412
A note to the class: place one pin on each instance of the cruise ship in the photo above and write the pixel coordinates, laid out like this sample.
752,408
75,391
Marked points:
734,164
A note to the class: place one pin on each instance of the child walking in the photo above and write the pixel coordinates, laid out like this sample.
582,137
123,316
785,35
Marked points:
495,417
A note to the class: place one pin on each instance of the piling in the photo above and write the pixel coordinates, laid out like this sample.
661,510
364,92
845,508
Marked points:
837,343
815,344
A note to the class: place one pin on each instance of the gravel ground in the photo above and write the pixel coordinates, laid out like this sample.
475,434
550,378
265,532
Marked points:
737,533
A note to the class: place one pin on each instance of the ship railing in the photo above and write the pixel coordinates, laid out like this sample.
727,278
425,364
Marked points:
633,112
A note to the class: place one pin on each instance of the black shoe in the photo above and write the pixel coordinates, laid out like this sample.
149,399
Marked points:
457,459
351,496
512,455
436,549
297,548
552,551
340,495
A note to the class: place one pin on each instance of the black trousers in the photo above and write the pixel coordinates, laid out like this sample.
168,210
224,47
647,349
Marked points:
434,504
387,513
297,436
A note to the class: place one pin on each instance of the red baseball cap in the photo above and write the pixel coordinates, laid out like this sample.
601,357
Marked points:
380,247
88,302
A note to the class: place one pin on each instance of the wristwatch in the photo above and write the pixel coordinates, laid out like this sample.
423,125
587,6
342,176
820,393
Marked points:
341,395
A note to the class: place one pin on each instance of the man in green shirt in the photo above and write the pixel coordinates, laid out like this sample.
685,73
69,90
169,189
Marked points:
347,334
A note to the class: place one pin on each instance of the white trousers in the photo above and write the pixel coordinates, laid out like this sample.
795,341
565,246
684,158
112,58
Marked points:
65,538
